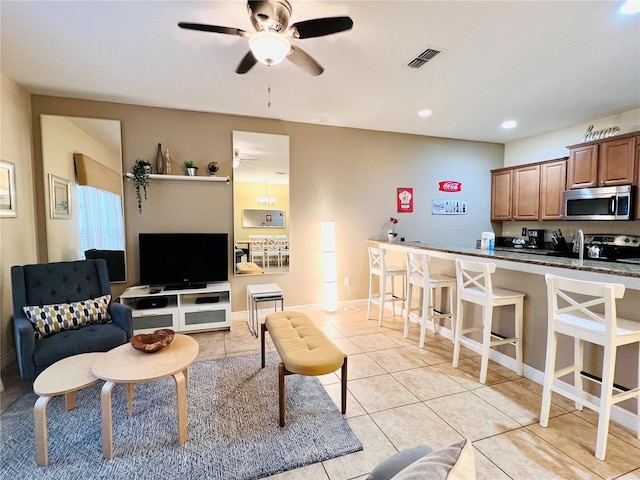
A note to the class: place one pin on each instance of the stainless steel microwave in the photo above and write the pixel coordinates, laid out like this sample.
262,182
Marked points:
607,203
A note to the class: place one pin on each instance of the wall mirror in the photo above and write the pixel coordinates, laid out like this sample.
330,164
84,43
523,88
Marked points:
252,218
261,203
83,157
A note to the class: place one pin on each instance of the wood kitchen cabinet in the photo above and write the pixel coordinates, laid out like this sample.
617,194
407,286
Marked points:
553,178
617,162
583,167
526,192
501,191
602,163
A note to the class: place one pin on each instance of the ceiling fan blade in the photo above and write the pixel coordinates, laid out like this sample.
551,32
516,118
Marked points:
213,28
319,27
246,63
303,60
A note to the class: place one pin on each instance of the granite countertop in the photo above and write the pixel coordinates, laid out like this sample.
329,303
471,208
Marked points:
536,257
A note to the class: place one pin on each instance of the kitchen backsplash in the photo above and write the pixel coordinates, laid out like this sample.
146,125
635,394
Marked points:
569,228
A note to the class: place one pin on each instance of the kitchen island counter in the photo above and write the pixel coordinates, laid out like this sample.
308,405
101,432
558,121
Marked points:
535,261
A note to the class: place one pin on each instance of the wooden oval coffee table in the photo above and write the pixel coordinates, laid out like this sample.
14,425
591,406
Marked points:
125,364
64,377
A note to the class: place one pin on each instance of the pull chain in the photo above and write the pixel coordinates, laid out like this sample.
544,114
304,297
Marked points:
269,88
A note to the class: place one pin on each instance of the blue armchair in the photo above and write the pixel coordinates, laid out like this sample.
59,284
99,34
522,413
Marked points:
57,283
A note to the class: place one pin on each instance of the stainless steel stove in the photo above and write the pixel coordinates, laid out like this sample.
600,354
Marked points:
609,248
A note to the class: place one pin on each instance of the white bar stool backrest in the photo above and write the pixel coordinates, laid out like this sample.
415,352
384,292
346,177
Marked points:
474,281
575,302
417,268
377,264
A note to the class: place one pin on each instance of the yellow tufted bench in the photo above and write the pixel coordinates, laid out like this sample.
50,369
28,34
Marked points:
303,349
248,268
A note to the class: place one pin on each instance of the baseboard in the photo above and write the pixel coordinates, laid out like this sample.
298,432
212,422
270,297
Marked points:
348,305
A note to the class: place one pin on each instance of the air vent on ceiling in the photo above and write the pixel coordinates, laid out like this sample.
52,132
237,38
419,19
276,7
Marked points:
424,57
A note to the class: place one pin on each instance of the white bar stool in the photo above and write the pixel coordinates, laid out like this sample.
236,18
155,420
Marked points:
570,312
378,266
475,286
432,285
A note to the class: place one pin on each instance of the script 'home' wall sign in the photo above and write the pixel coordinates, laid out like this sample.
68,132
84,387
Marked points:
592,134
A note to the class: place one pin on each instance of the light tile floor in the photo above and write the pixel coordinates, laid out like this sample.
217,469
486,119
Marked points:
401,396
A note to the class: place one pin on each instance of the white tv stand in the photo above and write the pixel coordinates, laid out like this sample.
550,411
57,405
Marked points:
187,310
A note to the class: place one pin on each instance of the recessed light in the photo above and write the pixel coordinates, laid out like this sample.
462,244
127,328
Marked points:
509,124
630,7
424,113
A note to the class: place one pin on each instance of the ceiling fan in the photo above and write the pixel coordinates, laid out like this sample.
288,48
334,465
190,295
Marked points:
238,159
270,44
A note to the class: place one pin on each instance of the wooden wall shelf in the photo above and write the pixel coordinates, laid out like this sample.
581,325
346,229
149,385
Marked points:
210,178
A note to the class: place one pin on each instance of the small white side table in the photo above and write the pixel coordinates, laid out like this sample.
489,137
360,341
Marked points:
66,376
264,292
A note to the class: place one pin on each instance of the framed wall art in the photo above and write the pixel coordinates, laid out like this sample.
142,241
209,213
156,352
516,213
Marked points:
59,197
8,190
404,199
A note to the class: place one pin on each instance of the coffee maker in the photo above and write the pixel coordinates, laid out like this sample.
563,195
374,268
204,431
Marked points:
536,238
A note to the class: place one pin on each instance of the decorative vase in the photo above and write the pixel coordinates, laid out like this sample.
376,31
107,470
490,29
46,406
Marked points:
160,162
391,236
192,171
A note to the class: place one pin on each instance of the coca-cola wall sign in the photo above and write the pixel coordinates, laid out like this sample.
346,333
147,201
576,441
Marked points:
449,207
450,186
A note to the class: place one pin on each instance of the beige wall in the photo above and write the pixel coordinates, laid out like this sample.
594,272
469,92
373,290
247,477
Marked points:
554,144
17,235
347,175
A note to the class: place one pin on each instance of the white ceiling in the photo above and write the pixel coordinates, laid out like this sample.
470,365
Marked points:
548,65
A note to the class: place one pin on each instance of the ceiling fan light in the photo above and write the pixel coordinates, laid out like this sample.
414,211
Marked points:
269,48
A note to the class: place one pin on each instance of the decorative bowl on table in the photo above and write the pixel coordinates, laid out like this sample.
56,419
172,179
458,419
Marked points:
152,342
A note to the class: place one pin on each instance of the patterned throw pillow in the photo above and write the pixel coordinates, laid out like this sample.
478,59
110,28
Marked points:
50,319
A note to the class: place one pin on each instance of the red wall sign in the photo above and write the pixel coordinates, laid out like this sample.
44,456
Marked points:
405,200
450,186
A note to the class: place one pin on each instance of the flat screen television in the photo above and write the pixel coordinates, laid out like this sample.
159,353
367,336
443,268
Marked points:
183,260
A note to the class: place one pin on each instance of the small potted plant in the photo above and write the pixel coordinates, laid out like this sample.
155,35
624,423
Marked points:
191,168
141,171
392,232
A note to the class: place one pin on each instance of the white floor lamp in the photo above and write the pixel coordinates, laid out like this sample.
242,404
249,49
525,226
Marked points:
329,269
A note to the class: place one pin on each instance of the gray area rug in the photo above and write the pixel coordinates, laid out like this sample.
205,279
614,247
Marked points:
233,428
